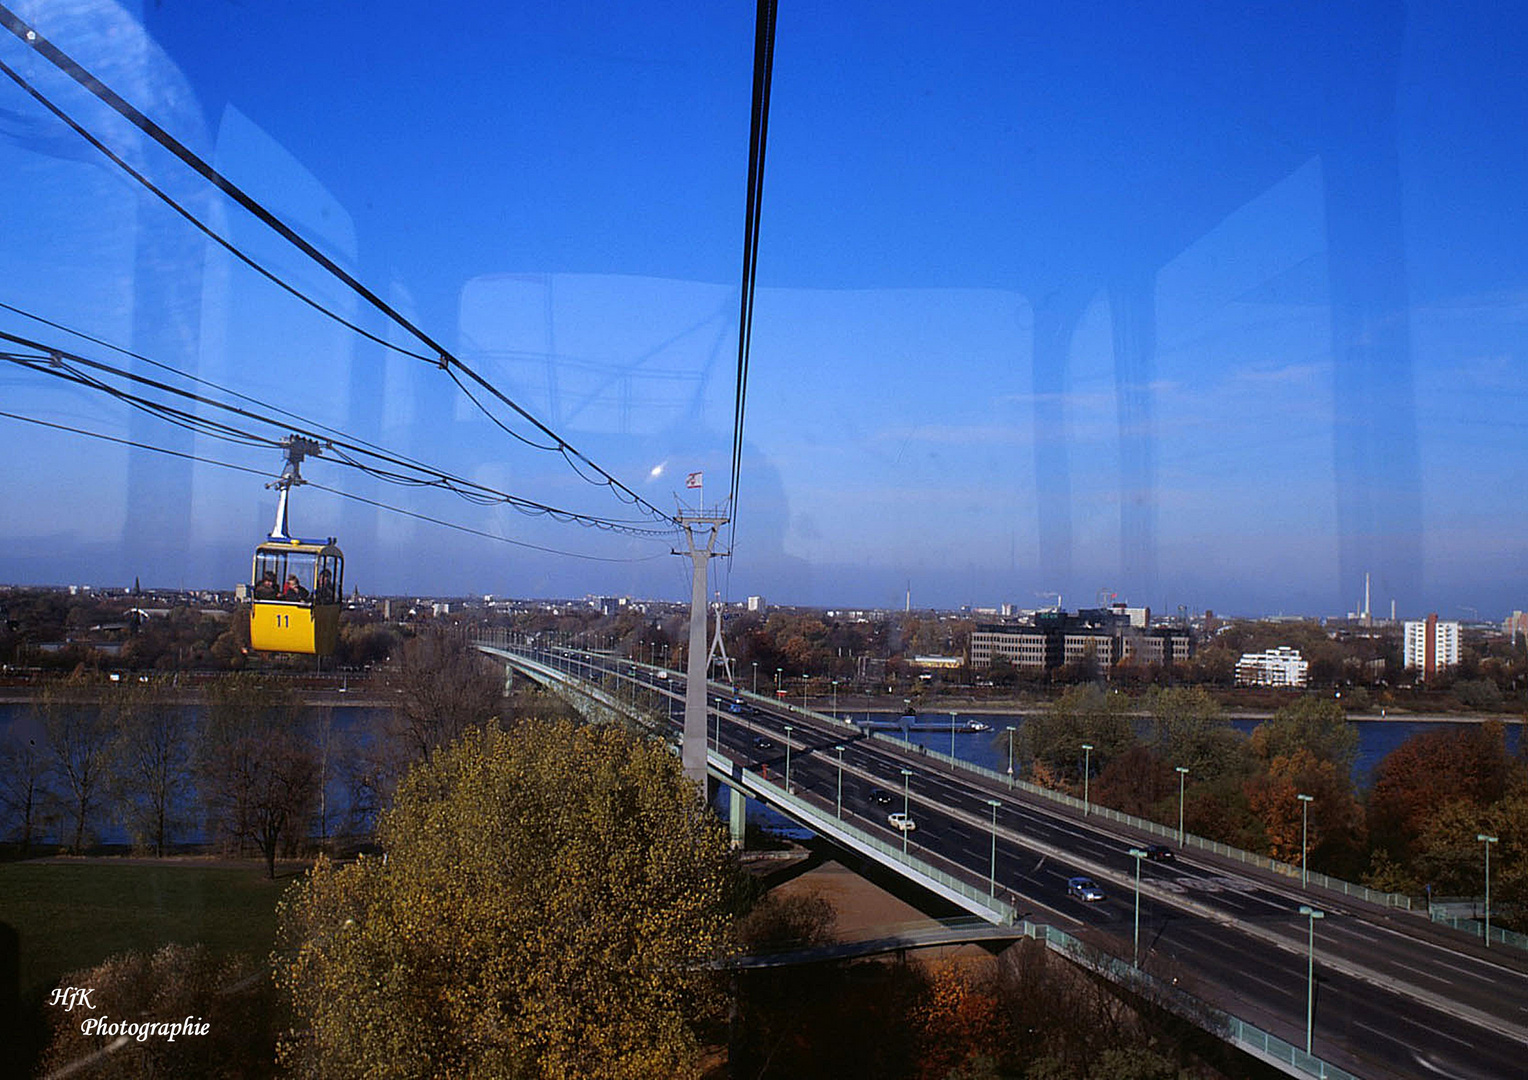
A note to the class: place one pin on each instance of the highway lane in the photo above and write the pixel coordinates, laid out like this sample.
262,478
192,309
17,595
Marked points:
1219,930
1373,1030
1391,953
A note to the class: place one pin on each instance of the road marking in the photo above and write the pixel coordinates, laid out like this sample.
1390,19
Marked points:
1278,990
1393,1037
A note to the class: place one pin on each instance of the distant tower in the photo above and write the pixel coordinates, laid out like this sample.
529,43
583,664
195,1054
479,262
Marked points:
909,602
1367,621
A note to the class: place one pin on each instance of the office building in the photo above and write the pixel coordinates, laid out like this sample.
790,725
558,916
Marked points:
1100,636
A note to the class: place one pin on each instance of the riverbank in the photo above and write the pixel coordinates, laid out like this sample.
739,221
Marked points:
885,706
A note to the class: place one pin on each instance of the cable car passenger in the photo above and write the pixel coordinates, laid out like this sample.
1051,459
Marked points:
266,588
323,592
293,591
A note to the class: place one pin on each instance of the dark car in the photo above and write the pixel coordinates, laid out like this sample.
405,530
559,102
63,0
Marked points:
763,742
880,796
1159,853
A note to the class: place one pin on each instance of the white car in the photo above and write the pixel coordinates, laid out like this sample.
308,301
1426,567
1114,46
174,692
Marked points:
901,822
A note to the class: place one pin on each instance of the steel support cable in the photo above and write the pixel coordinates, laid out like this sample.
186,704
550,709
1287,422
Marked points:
333,491
339,438
53,364
56,367
480,532
758,134
197,223
441,356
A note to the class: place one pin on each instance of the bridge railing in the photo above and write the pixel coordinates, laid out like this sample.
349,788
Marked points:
1476,928
1347,888
1233,1029
825,823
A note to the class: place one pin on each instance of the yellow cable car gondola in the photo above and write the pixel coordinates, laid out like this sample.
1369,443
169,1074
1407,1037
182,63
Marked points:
296,585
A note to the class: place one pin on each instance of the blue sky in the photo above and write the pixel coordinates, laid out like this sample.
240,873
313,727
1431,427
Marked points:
1212,309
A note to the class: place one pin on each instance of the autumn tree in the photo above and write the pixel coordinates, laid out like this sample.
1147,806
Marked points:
1429,770
787,920
1052,740
257,767
547,906
24,784
1308,748
1073,1025
1135,782
1328,831
1187,729
1449,856
1190,730
78,740
963,1020
1316,725
444,686
151,762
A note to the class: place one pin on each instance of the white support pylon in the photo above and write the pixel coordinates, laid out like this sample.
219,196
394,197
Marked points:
692,748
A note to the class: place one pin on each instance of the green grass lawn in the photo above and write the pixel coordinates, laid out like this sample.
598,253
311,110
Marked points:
74,915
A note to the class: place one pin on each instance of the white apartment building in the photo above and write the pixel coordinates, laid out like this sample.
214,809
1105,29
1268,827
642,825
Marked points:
1282,666
1431,645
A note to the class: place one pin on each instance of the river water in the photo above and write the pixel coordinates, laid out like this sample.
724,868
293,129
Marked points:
1376,738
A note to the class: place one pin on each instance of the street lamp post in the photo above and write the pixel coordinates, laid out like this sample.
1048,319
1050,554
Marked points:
1135,954
778,673
755,678
1011,730
1182,775
835,701
1087,753
906,808
992,873
788,730
840,750
1488,841
1310,973
952,734
1305,801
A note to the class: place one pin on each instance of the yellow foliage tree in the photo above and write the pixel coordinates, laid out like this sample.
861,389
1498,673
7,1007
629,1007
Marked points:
546,907
963,1020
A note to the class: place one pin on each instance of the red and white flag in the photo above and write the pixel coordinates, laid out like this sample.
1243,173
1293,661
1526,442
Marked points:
693,480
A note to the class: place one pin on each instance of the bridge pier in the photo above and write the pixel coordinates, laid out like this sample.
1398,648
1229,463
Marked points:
738,818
